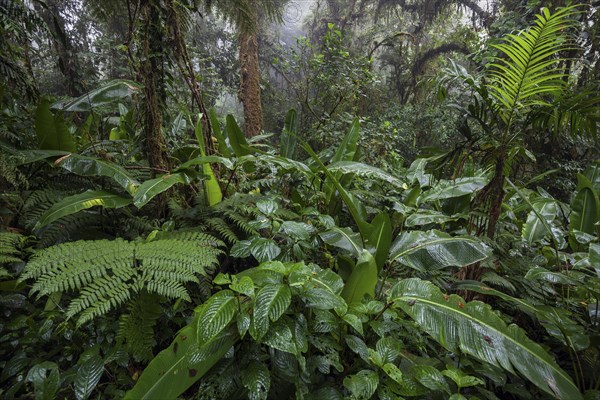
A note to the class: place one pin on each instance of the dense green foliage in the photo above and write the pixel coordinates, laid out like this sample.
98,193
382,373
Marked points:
416,227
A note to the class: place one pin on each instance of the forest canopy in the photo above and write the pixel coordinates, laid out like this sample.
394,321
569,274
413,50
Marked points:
303,199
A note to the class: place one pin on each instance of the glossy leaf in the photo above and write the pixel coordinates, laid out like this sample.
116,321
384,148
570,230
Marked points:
585,210
218,133
153,187
431,250
535,229
363,279
72,204
264,249
363,384
343,238
256,378
215,314
360,169
270,304
237,140
475,329
454,188
87,377
89,166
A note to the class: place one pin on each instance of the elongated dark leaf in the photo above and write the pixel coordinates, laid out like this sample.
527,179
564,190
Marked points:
89,166
474,328
211,184
153,187
380,238
88,376
585,210
454,188
31,156
237,140
72,204
51,130
218,133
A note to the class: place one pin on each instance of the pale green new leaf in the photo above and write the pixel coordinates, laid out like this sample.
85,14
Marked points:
72,204
475,329
215,314
431,250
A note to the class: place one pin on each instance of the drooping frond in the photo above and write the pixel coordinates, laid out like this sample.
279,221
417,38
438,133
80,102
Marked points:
136,329
529,67
108,273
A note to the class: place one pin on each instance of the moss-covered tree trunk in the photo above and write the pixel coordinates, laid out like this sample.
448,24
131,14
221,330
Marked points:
249,93
151,74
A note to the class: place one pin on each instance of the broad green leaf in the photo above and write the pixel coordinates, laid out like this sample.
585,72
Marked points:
257,379
180,365
593,175
280,337
87,377
206,159
380,238
89,166
72,204
454,188
267,207
360,169
244,285
296,230
354,321
362,385
264,249
52,132
215,314
211,184
153,187
288,136
363,279
348,146
542,274
270,304
585,210
45,377
475,329
534,229
431,378
461,379
109,93
431,250
237,140
343,238
31,156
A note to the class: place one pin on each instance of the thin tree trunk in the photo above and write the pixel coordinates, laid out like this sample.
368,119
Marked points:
249,93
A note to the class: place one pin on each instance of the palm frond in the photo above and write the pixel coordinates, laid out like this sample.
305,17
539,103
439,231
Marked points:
529,68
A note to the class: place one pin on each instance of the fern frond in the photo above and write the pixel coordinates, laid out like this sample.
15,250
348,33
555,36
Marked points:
221,227
10,247
108,273
136,329
530,67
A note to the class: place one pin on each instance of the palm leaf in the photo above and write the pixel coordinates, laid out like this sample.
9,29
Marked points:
529,68
475,329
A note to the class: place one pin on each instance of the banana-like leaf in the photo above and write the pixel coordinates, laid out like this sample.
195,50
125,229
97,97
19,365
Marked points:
153,187
211,184
431,250
343,238
107,94
89,166
72,204
360,169
380,238
347,148
534,229
218,133
474,328
454,188
363,279
180,365
585,210
51,130
31,156
289,140
426,217
206,159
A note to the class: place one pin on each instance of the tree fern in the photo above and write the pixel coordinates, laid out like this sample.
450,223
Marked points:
108,273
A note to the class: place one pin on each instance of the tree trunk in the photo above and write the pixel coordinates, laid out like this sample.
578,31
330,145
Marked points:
249,93
151,75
